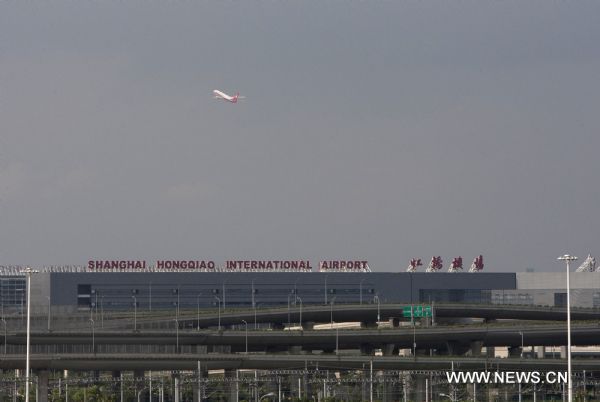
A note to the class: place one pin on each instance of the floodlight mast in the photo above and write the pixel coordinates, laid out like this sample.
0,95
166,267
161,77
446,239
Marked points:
567,258
28,271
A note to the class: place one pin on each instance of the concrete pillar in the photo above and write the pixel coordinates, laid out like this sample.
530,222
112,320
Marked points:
514,351
388,349
277,326
365,388
563,352
420,387
386,387
176,388
199,385
475,348
490,351
540,352
116,376
295,350
368,324
472,390
395,322
138,380
390,388
138,376
42,391
366,349
231,385
195,392
308,325
452,347
295,385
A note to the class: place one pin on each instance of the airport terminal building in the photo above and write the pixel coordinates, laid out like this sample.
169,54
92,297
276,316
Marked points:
199,285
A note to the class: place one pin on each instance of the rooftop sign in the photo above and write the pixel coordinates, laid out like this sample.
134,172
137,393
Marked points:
229,266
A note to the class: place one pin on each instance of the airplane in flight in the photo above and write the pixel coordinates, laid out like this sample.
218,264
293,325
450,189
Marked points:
222,95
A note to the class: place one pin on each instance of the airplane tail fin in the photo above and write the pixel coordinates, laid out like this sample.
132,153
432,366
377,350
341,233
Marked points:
235,98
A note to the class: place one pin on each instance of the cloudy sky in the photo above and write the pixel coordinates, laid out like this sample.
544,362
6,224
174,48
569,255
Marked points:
379,130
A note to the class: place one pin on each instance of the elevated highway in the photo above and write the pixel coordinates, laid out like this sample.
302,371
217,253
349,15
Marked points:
269,341
280,361
368,313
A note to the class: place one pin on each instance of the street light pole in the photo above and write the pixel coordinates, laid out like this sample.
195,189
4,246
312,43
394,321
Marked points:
331,315
567,258
93,337
298,298
289,319
28,271
48,297
176,335
134,313
224,305
255,324
522,346
360,287
199,311
246,324
219,310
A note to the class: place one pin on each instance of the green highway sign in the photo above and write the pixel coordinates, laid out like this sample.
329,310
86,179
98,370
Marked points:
417,311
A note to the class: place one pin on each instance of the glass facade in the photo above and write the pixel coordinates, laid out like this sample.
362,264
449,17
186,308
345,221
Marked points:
474,296
12,292
162,296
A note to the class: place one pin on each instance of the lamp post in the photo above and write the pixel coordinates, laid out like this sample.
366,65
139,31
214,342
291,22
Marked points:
246,324
299,299
331,311
289,320
134,313
176,334
28,271
522,346
200,294
567,258
48,297
522,343
219,310
255,323
360,289
224,305
93,336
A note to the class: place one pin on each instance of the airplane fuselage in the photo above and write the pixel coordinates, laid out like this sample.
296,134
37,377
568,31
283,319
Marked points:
222,95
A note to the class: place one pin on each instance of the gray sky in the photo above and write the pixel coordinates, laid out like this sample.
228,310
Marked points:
380,130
